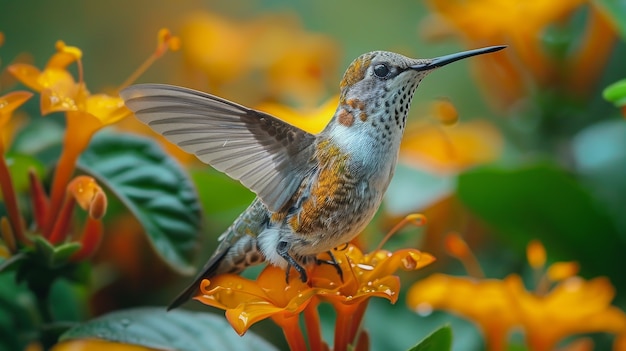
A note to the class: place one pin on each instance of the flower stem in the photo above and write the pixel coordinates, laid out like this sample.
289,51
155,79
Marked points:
357,317
293,334
38,199
10,199
312,322
62,223
77,138
344,325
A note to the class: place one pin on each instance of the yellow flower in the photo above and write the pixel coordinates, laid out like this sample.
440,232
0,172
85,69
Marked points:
546,316
9,103
522,25
59,91
273,50
446,150
85,113
574,306
310,120
485,302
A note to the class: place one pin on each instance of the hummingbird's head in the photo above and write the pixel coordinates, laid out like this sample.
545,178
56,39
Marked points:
379,85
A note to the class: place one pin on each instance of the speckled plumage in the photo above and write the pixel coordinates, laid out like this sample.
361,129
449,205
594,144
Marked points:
314,192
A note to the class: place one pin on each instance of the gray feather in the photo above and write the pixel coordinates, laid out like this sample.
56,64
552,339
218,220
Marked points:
267,155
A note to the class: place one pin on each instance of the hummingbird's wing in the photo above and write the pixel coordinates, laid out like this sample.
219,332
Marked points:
267,155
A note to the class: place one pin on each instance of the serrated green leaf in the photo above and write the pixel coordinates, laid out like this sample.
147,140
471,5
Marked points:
154,187
543,202
175,330
439,340
616,93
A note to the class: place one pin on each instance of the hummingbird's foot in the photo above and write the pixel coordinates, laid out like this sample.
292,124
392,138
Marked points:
333,262
283,251
345,246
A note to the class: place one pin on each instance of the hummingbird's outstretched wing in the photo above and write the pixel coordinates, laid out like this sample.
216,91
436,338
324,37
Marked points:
253,147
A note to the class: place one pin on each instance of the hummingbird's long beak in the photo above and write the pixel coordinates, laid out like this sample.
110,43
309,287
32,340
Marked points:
444,60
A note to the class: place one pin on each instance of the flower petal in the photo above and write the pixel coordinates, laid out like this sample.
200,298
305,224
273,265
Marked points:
10,102
108,109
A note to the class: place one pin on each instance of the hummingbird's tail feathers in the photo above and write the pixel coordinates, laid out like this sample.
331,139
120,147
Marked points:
267,155
209,270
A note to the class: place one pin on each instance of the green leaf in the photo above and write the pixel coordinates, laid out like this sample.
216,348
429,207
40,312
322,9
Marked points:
616,11
439,340
616,93
54,256
212,184
154,187
175,330
40,138
18,319
19,166
543,202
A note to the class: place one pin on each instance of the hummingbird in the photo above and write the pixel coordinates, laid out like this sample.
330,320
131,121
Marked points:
314,192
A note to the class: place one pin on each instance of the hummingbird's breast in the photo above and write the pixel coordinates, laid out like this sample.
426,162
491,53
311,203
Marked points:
336,201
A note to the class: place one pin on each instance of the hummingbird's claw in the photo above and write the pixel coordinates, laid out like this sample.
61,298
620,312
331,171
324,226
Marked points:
283,251
333,262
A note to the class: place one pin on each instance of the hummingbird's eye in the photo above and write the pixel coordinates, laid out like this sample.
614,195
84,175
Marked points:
381,70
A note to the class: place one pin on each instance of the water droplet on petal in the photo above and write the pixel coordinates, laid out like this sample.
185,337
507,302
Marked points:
424,309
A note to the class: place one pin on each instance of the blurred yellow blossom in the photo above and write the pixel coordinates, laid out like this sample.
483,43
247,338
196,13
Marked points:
522,25
451,149
292,64
311,120
546,316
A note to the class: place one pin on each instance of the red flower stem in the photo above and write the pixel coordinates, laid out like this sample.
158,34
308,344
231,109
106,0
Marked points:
10,199
62,223
312,322
38,199
293,334
343,326
357,317
7,235
90,240
62,176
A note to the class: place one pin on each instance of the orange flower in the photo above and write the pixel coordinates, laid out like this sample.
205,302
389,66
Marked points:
247,302
364,276
574,306
9,103
526,64
85,113
546,316
490,306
